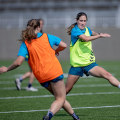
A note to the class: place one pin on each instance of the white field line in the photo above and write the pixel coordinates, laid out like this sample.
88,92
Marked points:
11,76
97,107
93,85
46,96
26,81
13,82
19,75
75,86
23,88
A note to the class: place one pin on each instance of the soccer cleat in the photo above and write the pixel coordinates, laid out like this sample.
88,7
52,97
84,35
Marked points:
31,89
18,84
46,117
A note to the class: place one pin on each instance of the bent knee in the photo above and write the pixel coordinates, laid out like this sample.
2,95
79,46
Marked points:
29,73
62,98
107,75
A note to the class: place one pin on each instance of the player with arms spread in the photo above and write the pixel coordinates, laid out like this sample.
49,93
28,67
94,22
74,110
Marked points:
82,59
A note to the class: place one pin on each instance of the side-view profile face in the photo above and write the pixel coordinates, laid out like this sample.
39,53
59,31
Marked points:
82,22
41,24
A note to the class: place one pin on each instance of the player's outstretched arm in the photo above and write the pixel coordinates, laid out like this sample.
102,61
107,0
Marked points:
13,66
94,37
3,69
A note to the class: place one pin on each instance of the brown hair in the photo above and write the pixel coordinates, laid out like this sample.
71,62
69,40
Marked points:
70,28
77,18
40,19
29,33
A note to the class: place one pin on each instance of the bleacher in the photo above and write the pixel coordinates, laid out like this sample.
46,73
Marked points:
58,12
20,5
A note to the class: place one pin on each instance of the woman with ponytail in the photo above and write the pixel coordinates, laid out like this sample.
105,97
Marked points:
44,64
82,59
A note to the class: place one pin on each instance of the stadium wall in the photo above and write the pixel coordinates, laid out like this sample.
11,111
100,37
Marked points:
104,48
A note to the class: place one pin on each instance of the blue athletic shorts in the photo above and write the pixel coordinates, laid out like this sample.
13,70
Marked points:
46,84
82,70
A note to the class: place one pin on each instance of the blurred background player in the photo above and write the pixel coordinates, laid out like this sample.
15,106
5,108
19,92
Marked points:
29,74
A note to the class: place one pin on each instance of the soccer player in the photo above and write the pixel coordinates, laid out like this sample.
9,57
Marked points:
45,65
28,74
82,58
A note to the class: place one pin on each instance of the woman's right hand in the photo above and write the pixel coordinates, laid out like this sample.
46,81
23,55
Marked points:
3,69
104,35
57,53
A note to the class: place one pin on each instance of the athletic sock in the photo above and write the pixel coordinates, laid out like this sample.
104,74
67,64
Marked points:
29,85
21,79
119,86
75,116
50,114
